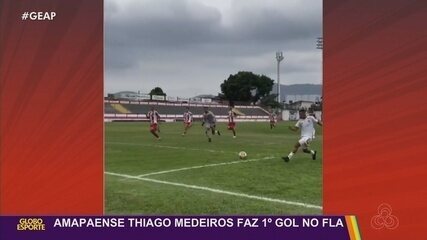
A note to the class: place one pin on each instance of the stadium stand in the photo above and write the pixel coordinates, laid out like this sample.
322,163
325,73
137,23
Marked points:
136,111
173,109
253,111
108,109
120,108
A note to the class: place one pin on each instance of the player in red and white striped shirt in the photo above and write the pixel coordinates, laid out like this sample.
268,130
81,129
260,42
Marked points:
154,117
188,120
231,123
273,120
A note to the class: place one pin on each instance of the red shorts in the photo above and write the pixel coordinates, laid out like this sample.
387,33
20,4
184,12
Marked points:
154,127
231,125
188,124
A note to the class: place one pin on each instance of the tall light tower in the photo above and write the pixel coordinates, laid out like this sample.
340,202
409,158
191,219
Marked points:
279,58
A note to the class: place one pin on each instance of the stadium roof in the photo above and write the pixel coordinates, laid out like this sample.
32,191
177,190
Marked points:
126,92
205,96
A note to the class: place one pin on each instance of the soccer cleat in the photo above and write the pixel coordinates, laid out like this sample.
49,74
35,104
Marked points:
313,156
286,159
219,134
209,139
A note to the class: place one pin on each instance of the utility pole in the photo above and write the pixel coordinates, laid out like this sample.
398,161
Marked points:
279,58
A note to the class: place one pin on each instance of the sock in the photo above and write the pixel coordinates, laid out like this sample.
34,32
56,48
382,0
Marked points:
290,155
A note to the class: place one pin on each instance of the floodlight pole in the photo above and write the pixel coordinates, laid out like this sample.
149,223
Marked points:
319,43
279,58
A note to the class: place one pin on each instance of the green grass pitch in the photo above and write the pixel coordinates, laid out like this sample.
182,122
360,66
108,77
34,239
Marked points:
130,150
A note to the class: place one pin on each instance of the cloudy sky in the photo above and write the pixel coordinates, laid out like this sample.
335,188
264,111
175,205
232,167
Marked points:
189,47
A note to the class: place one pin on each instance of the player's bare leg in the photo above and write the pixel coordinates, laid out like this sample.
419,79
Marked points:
312,152
272,125
234,132
208,134
186,129
291,154
214,131
155,134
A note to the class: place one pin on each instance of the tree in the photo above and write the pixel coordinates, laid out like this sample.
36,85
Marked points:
271,102
157,91
238,87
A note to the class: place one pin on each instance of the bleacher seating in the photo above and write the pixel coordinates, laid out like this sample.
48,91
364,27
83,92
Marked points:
174,112
253,111
136,108
109,109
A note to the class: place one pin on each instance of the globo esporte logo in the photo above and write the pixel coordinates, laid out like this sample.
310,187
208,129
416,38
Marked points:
31,224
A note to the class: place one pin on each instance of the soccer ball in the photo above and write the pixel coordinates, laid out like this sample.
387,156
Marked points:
242,155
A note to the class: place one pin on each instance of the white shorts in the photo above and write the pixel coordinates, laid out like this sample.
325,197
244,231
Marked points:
305,142
208,126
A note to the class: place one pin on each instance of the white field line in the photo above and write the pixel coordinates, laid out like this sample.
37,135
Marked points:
204,166
170,147
299,204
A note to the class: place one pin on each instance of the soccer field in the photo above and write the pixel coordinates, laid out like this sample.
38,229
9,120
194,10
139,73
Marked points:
189,175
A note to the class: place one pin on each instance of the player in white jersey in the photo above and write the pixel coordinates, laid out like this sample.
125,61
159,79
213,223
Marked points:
306,125
154,117
231,121
209,122
188,120
311,113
